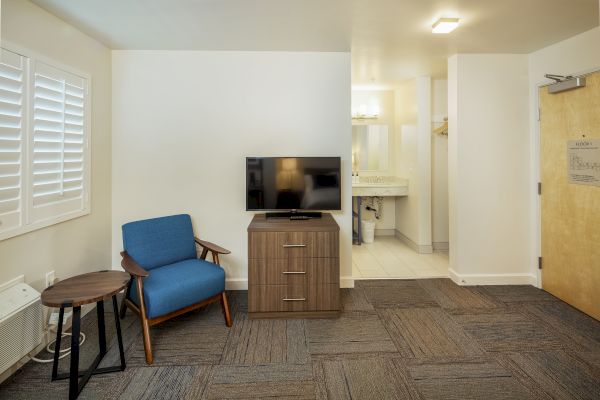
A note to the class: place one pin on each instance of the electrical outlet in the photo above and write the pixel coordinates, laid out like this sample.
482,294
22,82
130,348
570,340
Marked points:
54,317
50,278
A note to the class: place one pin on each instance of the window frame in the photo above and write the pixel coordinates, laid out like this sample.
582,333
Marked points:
26,224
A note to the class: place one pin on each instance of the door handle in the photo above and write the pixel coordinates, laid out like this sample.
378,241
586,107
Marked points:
300,299
294,245
294,272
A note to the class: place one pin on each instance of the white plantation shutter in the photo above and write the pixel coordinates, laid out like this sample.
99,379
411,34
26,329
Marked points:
58,145
12,99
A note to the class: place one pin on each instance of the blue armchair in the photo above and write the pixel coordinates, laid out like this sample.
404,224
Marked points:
169,279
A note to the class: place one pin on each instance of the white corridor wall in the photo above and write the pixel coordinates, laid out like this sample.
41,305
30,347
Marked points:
488,169
184,121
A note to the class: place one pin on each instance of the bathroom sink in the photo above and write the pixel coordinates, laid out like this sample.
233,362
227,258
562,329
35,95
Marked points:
391,187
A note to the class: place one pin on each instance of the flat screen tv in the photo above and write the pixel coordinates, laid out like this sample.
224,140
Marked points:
293,183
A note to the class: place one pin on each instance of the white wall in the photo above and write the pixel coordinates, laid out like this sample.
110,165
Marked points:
184,121
488,169
439,166
82,244
413,116
577,55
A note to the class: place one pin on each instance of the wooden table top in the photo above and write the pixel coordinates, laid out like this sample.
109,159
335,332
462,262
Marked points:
86,288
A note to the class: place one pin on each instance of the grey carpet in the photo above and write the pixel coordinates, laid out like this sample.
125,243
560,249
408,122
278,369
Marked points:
401,339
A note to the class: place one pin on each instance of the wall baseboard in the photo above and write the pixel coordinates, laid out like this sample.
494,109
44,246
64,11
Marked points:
419,248
346,282
385,232
236,284
491,279
441,246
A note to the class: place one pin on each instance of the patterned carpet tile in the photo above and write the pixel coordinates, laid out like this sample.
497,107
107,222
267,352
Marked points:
33,380
559,374
501,330
352,332
263,341
261,381
449,295
190,339
397,294
35,384
467,379
355,300
238,301
519,294
394,339
577,330
591,358
427,333
158,383
368,378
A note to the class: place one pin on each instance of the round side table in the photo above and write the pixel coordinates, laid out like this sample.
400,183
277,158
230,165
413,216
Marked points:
93,287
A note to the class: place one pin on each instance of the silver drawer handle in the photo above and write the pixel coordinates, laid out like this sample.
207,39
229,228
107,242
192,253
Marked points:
294,245
302,299
294,272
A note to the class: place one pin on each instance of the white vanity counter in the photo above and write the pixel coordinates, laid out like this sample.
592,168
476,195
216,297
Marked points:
380,187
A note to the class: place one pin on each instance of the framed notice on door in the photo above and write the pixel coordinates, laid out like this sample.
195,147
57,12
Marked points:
583,157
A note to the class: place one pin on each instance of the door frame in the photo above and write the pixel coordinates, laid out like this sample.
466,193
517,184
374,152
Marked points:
536,203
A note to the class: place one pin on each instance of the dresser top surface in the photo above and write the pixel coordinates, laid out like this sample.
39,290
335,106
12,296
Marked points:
261,224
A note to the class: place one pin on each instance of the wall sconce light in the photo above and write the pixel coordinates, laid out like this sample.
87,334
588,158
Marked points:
364,112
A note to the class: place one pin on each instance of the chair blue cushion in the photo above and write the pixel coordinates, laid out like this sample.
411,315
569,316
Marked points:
157,242
172,287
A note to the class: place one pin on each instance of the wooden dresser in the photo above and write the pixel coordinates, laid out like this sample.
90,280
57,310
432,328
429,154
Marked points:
293,267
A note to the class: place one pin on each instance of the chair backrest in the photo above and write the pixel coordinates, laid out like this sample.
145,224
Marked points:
160,241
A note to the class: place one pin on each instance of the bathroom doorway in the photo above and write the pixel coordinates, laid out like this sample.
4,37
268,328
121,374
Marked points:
400,191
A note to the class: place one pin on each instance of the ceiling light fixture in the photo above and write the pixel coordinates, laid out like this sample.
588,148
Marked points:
445,25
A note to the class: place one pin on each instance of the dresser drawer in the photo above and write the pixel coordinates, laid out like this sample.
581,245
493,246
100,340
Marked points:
325,297
277,298
292,244
293,271
266,245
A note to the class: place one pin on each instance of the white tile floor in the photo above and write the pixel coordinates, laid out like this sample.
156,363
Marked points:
389,258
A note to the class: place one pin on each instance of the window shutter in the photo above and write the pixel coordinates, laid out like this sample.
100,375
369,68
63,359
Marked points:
12,100
58,183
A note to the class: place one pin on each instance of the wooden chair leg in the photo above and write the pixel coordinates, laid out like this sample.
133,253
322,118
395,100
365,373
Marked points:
147,343
225,306
145,324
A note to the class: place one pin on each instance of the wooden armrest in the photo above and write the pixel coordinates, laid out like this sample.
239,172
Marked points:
132,267
212,247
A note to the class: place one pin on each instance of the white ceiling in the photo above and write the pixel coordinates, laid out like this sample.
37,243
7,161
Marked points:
390,40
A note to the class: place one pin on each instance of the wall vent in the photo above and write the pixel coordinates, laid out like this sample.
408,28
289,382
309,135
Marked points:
21,322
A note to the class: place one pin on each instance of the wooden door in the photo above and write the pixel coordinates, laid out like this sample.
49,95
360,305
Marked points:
570,212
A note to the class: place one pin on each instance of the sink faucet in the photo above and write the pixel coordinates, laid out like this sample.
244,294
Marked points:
374,179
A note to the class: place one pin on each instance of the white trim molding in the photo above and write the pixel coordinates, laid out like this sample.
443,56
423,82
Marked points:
491,279
419,248
236,284
385,232
346,282
441,246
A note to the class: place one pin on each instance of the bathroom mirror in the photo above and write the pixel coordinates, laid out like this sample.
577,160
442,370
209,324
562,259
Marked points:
370,147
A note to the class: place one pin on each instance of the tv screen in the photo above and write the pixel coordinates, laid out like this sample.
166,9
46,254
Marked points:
293,183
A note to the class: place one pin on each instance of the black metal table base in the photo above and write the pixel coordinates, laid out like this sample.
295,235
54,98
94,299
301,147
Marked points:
75,384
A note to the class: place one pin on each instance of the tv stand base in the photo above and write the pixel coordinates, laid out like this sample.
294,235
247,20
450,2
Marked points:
294,215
